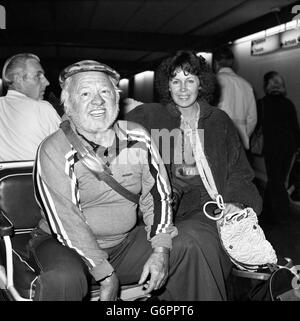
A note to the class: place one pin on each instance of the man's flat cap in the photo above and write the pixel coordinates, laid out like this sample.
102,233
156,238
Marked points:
87,65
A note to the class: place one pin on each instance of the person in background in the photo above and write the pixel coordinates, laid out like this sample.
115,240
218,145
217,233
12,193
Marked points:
55,102
126,105
277,115
25,118
130,103
88,231
188,125
236,96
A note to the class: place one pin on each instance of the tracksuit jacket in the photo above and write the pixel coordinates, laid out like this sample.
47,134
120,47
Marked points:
86,214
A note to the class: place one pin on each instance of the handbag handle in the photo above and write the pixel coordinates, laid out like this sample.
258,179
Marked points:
220,203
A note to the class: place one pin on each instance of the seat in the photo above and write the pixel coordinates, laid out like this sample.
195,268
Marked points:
262,274
19,215
241,282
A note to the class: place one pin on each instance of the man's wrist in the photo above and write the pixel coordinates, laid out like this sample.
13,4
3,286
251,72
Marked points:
107,276
161,249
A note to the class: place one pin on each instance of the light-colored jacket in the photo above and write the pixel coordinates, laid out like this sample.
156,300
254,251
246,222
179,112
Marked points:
238,101
86,214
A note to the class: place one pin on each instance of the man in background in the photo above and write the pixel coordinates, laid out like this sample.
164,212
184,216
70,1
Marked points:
25,118
237,97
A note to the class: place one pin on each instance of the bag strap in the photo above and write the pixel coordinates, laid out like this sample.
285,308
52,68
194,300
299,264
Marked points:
210,185
95,164
206,175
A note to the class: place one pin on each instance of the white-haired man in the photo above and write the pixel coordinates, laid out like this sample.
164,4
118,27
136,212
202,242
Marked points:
94,226
25,118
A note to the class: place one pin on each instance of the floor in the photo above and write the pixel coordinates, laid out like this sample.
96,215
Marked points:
285,237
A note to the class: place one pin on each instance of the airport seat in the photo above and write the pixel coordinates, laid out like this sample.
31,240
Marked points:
19,215
240,282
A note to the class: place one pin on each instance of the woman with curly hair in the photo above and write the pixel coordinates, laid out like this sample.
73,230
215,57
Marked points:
203,155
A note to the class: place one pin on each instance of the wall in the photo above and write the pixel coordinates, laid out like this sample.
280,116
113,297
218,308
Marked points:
143,86
124,87
253,68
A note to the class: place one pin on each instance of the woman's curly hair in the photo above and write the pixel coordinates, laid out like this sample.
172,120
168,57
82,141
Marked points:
189,62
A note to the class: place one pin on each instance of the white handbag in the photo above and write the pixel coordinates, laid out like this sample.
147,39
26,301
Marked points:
243,239
240,234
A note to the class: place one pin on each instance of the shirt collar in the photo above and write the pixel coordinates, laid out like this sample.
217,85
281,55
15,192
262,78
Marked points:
15,93
226,69
12,92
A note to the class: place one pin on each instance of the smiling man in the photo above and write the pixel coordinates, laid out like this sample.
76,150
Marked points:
25,118
96,235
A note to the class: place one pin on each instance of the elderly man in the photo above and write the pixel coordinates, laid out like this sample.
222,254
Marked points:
25,119
96,235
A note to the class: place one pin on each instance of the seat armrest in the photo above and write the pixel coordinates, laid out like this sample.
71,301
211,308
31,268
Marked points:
6,226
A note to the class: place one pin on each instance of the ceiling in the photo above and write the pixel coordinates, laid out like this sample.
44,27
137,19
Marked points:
130,35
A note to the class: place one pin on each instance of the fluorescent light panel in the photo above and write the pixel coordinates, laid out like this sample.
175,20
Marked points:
271,31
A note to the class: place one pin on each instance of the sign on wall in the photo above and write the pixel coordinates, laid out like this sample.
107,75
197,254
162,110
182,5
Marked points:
290,38
2,17
283,40
265,45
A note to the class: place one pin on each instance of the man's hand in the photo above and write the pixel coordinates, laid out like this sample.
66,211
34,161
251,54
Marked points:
158,267
109,288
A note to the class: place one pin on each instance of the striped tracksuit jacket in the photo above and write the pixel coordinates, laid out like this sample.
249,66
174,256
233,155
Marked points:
88,216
